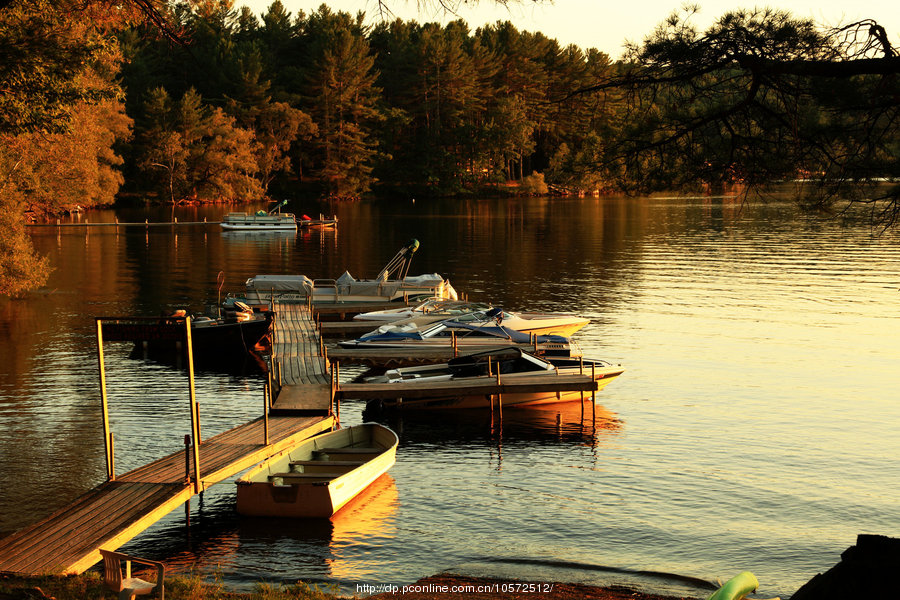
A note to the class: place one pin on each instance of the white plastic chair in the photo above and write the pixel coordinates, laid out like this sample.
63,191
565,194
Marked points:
128,587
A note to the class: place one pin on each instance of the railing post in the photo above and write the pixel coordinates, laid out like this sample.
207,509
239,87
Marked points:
112,457
195,408
110,472
266,392
187,458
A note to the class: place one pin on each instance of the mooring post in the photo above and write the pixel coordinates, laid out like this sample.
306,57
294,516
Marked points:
187,477
110,472
112,457
195,409
266,392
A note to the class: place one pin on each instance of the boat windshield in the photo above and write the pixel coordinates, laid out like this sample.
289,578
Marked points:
511,360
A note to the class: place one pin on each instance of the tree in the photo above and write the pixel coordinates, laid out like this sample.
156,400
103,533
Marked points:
204,153
762,96
61,115
340,84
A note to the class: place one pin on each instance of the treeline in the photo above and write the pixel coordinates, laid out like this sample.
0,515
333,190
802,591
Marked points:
247,103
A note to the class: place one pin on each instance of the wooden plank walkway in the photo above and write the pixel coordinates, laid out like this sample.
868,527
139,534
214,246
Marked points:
304,381
69,540
446,389
391,358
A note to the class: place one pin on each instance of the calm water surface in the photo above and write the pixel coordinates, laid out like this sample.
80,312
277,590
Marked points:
756,428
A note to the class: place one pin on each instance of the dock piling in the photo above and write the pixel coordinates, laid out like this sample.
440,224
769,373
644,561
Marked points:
112,457
266,402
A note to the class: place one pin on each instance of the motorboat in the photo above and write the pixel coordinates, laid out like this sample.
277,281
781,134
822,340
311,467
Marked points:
231,333
434,309
439,308
273,220
506,365
391,284
320,476
463,335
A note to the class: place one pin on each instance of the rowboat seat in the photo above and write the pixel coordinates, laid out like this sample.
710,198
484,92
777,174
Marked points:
128,587
295,475
325,466
349,450
327,463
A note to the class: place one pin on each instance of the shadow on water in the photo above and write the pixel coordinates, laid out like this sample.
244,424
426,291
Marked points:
250,364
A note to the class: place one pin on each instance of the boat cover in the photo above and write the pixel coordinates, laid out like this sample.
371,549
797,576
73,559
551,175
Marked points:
345,279
427,279
387,333
281,283
500,331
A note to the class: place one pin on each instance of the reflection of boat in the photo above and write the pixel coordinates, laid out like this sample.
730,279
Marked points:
434,310
320,476
467,337
274,220
392,283
508,365
322,222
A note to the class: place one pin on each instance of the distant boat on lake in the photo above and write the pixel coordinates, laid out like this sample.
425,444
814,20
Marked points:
274,220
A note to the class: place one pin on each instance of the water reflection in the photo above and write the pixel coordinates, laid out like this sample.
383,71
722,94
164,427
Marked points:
563,423
250,364
286,550
762,347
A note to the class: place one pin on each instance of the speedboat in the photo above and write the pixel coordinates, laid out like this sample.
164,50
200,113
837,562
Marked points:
506,365
436,309
391,284
465,336
273,220
439,308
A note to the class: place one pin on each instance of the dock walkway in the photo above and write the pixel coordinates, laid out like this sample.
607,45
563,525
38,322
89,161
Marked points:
69,540
303,379
467,387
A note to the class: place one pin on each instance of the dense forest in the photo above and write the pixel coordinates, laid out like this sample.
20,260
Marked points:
247,103
202,100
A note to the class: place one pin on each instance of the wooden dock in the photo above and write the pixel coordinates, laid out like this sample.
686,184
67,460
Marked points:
391,358
69,540
484,387
301,380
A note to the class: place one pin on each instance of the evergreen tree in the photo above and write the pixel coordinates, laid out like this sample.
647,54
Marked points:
340,86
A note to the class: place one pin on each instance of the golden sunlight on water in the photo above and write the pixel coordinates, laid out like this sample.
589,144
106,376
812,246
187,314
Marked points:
755,427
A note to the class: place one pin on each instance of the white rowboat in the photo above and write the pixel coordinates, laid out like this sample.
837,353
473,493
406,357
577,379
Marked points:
319,476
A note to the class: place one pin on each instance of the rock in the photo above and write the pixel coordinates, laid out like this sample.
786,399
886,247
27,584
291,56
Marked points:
866,570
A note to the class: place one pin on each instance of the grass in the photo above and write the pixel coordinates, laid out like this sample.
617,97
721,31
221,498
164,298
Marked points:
191,586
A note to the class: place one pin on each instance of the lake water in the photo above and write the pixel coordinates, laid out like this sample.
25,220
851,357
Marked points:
757,426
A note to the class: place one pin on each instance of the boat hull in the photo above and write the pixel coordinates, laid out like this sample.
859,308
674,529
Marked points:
293,485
